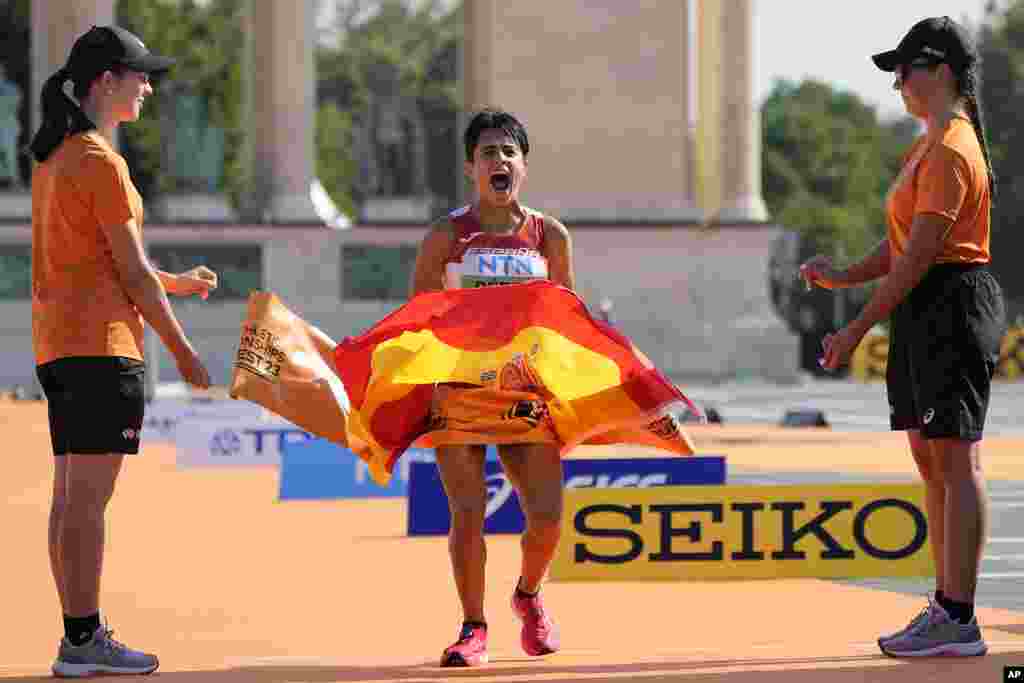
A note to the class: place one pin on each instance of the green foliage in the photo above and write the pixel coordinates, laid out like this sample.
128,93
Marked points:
15,56
206,38
828,162
420,40
1001,43
335,166
828,228
407,34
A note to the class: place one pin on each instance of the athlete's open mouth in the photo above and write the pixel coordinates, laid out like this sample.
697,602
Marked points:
501,181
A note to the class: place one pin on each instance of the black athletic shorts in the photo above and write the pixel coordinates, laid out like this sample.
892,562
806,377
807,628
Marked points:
943,350
96,403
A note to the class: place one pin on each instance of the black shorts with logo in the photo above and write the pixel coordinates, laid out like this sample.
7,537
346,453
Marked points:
943,351
96,403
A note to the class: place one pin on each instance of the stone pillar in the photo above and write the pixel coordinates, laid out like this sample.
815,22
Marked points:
709,123
477,53
474,66
603,89
55,27
730,122
281,94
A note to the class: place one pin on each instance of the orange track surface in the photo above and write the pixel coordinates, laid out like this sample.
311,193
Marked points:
225,584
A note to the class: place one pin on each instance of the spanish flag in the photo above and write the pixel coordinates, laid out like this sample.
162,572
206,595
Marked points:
517,363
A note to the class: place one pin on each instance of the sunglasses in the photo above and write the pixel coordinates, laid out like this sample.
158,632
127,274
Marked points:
904,70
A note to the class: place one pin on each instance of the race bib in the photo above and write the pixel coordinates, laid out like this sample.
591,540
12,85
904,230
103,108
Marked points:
485,266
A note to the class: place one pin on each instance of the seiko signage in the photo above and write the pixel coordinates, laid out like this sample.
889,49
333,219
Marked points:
744,532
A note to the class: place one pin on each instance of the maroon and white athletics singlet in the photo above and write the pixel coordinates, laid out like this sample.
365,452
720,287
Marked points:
480,259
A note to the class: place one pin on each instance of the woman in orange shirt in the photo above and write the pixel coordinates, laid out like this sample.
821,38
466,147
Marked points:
947,319
92,286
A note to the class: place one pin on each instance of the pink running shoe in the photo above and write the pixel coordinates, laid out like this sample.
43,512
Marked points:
469,650
539,635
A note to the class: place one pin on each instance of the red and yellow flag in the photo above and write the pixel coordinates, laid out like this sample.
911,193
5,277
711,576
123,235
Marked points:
517,363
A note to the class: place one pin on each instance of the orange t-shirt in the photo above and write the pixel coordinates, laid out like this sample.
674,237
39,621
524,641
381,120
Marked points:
944,175
79,307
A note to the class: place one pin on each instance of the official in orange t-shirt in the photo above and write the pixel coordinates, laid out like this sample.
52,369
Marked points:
92,287
948,319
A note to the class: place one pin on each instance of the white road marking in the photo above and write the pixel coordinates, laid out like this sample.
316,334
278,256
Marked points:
1001,575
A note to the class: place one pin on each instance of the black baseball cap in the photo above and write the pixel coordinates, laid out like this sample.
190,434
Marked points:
103,47
939,39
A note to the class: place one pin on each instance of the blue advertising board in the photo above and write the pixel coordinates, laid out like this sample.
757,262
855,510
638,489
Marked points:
318,469
427,511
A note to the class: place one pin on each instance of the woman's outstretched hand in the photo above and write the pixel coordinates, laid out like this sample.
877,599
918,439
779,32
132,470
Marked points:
818,270
200,280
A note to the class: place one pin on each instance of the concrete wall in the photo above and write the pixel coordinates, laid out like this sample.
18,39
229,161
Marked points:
695,301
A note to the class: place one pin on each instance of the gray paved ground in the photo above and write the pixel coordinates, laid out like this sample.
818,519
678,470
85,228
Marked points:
846,404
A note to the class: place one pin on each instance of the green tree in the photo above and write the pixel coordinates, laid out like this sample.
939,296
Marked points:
421,40
336,168
828,162
1001,43
206,38
15,55
421,37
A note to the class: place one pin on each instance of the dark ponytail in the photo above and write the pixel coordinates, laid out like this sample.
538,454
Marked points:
61,115
968,84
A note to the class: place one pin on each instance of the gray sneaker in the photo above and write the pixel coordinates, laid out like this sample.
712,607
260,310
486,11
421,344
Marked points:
939,635
915,624
101,655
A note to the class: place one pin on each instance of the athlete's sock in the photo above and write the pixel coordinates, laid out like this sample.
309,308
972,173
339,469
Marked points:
520,593
961,612
79,630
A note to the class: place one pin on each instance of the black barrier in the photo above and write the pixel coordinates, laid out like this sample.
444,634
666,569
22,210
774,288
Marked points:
804,417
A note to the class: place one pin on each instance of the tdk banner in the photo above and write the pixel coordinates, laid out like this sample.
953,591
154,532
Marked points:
427,511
